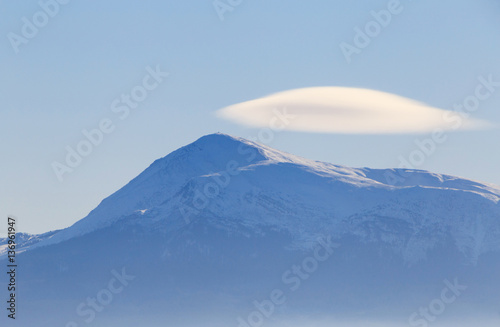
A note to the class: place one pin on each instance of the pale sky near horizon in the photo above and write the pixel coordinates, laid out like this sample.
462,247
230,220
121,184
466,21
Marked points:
66,76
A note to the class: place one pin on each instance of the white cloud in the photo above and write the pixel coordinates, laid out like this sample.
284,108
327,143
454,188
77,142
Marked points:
348,111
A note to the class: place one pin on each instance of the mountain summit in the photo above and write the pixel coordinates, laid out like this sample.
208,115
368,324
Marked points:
220,176
218,223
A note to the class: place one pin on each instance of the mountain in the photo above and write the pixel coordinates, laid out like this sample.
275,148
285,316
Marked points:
228,232
24,241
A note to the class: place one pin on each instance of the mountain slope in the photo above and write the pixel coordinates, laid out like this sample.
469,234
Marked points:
223,176
219,223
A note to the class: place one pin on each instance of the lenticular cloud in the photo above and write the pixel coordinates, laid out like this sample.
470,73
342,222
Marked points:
345,110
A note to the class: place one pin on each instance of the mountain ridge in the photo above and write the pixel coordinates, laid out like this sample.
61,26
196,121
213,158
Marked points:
213,226
191,170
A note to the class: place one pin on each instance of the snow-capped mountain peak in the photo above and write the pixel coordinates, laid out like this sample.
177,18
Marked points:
230,180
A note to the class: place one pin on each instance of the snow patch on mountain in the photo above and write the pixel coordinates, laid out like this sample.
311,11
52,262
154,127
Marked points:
24,241
258,187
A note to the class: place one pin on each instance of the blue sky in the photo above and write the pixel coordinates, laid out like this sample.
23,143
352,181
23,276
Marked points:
65,78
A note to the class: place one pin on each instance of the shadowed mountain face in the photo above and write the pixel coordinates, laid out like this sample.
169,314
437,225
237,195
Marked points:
227,232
